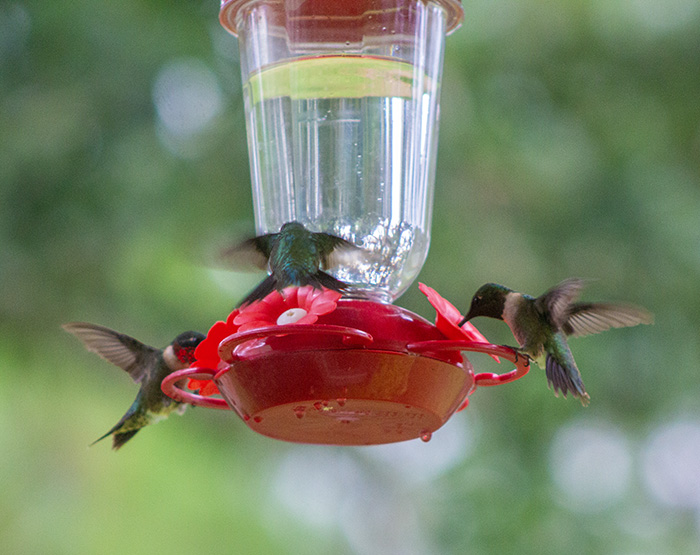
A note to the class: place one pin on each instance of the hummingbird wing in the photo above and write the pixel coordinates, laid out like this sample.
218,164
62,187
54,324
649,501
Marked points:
121,350
587,318
555,303
251,253
334,250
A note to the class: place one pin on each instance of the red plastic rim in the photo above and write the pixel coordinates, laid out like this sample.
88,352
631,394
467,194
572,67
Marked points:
171,389
320,12
522,363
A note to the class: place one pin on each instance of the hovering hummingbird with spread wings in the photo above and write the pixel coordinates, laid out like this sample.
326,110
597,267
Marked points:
541,325
146,365
293,256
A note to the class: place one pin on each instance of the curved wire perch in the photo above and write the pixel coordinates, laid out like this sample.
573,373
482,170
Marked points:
522,362
352,337
170,388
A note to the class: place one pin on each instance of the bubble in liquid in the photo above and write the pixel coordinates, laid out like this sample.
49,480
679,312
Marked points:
299,411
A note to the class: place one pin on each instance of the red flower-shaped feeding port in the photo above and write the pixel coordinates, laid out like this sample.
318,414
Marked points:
307,366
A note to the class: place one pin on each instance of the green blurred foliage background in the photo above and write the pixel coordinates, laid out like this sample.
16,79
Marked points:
570,145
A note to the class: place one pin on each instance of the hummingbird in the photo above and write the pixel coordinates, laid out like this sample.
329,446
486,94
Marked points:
294,256
146,365
542,324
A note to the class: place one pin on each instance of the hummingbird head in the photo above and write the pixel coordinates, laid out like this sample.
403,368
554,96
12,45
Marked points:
185,344
292,226
489,301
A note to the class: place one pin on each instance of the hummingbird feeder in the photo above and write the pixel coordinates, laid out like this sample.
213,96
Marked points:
342,106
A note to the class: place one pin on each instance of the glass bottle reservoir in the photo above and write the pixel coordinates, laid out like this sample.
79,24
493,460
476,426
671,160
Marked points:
342,104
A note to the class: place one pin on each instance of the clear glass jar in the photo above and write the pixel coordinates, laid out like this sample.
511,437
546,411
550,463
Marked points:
342,104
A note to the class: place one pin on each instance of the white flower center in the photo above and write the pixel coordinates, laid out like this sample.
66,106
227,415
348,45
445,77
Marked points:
291,316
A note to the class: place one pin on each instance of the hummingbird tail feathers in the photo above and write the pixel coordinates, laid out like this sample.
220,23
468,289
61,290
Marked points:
264,288
120,439
101,437
321,279
565,380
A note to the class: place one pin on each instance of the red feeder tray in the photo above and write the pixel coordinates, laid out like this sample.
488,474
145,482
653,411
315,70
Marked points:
366,373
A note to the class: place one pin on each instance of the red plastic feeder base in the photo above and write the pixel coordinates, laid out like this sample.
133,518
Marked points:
366,373
346,397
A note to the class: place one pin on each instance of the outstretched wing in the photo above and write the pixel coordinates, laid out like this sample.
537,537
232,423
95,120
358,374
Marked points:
119,349
588,318
251,253
558,299
334,250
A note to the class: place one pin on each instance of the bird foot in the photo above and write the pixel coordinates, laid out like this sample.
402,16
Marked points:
519,353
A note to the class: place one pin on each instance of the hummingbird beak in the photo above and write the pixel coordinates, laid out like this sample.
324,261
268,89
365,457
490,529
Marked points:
465,319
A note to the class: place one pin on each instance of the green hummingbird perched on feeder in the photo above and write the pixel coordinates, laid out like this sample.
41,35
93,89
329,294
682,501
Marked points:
293,256
542,324
146,365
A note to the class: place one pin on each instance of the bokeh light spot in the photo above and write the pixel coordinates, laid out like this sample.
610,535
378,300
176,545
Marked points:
417,462
671,464
15,27
591,465
665,16
187,97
